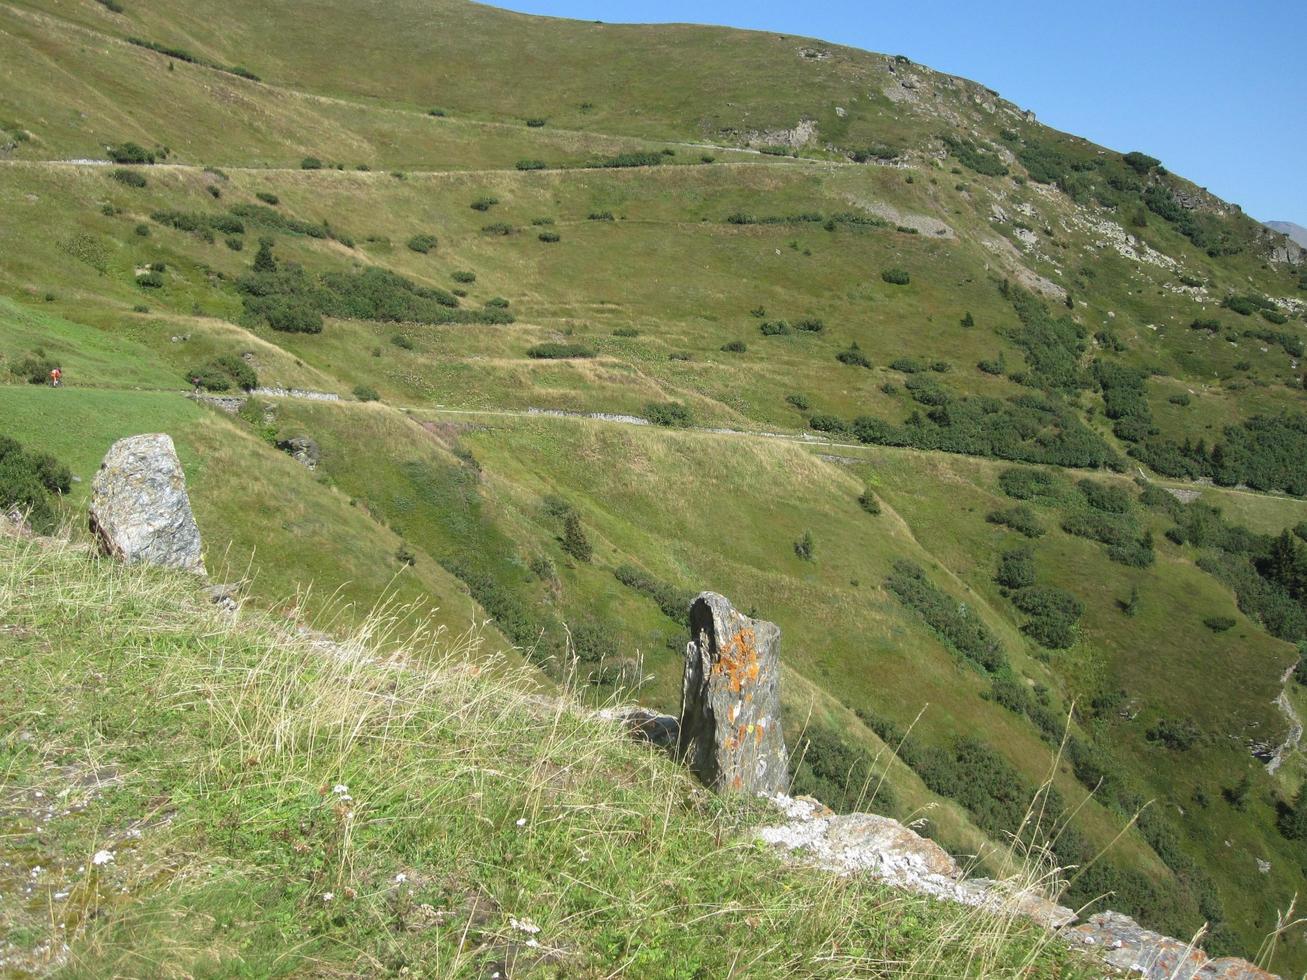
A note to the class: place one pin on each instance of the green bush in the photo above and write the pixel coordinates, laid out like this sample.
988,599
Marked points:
1179,735
500,228
531,165
1140,163
801,402
549,237
422,243
822,422
1020,519
463,276
234,243
853,357
366,393
150,280
28,481
633,160
535,122
402,341
601,216
774,328
143,230
224,372
1182,399
290,316
1016,569
310,163
268,198
1054,614
484,203
130,153
805,547
673,602
626,332
955,622
34,367
1219,624
575,542
809,324
908,365
896,277
670,414
735,347
1026,484
129,177
559,351
869,502
1109,498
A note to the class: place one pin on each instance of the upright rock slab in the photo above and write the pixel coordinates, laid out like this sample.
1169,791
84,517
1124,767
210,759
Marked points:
730,732
139,508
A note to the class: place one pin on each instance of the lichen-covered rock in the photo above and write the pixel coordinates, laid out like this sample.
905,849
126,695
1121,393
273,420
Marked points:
730,730
1121,942
139,508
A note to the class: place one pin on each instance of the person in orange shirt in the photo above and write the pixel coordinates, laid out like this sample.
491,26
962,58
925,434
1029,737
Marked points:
56,378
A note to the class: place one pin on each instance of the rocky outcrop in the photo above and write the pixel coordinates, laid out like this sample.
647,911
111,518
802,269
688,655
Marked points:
1121,942
890,852
863,843
139,508
730,728
302,449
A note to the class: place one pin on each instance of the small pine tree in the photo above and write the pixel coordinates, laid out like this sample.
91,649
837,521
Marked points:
575,543
1131,605
968,320
1237,795
805,547
265,261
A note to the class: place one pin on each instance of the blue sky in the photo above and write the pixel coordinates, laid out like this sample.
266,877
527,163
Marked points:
1217,91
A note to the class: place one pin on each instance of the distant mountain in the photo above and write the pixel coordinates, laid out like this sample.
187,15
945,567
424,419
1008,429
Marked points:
1297,232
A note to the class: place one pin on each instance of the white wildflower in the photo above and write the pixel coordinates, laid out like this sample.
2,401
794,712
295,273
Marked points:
328,896
401,878
102,857
340,788
521,821
523,925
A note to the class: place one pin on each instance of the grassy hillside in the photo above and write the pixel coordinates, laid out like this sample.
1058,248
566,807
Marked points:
890,353
351,812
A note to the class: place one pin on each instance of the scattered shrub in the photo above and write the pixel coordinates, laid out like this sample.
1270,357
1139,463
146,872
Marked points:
805,547
953,621
853,357
28,481
484,203
575,542
150,280
422,243
601,216
1219,624
809,324
1016,569
531,165
500,228
626,332
463,276
129,177
402,341
896,277
291,316
735,347
671,414
774,328
549,237
869,502
535,122
1179,735
559,351
633,160
1020,519
801,402
366,393
223,373
1054,614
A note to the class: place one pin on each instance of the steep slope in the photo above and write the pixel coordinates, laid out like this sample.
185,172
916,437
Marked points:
1296,232
978,295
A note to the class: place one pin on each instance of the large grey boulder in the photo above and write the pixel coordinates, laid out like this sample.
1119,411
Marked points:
730,731
139,508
